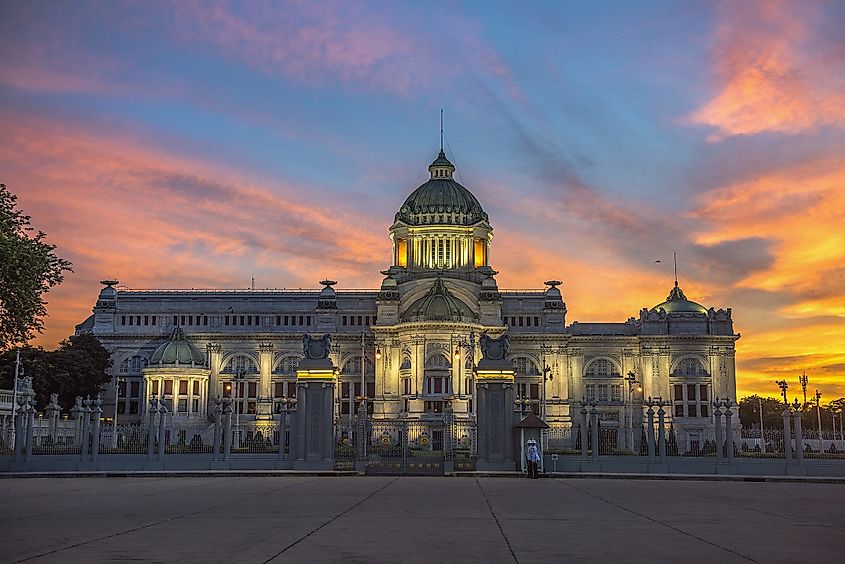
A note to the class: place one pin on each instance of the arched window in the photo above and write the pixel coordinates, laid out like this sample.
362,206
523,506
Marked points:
352,367
133,365
690,368
240,363
524,366
287,365
601,368
406,363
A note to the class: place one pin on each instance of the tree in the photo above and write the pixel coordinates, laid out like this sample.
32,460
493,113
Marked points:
79,367
28,269
749,412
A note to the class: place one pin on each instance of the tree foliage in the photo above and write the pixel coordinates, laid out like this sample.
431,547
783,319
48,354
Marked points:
28,269
78,367
749,413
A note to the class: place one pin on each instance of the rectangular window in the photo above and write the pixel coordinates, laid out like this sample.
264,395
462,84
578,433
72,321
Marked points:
505,319
433,407
679,392
130,320
121,408
123,320
367,320
301,321
241,323
196,388
249,320
182,319
591,392
513,321
521,320
134,389
190,320
278,320
536,322
406,386
343,320
250,407
616,393
183,406
257,320
183,387
252,389
121,390
371,389
360,320
679,410
291,389
602,392
137,320
175,320
286,321
133,408
146,320
155,387
168,387
195,406
279,390
226,320
153,320
308,320
205,320
535,391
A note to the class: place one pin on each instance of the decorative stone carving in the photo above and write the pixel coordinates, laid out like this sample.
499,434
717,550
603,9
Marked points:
317,348
494,348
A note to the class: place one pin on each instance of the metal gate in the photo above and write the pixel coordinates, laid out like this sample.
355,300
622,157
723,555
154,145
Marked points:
410,447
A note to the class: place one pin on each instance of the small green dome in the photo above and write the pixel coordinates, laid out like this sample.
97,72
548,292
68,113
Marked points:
677,302
178,350
439,305
441,200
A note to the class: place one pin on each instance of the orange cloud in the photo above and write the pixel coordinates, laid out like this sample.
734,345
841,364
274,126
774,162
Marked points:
773,73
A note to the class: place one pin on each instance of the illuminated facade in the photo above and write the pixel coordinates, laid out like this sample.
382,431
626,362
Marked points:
411,345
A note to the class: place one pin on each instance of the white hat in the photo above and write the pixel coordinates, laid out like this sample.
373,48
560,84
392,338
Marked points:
532,442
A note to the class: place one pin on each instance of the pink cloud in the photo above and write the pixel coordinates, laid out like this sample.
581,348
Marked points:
772,71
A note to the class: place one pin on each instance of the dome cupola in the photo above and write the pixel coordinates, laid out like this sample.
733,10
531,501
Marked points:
677,302
439,304
178,350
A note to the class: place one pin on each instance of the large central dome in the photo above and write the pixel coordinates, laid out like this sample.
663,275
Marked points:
441,200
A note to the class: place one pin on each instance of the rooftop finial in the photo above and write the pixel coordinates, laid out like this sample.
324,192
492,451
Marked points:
441,130
675,261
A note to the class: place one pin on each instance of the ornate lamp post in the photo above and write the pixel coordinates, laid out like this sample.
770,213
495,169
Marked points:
117,382
783,385
803,380
633,384
469,347
238,406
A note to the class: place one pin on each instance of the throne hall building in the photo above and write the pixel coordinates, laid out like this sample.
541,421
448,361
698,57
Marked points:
413,343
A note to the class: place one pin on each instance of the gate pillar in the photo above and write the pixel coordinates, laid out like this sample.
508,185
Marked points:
312,445
495,415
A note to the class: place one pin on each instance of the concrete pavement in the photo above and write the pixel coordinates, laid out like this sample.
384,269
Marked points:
389,519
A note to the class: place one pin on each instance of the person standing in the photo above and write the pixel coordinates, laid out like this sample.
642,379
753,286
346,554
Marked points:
533,457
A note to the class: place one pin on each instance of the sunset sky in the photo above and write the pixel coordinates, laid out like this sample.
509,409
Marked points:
194,144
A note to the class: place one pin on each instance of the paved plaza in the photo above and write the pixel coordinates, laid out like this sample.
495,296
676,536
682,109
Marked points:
407,519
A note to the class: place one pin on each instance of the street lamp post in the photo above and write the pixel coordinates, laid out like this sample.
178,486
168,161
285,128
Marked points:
783,385
238,406
18,371
632,381
117,382
803,380
819,415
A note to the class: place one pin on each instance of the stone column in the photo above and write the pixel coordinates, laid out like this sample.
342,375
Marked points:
799,437
787,439
264,407
661,431
30,424
97,413
162,430
594,416
495,415
717,414
217,412
214,376
53,411
650,432
584,426
86,419
227,427
729,430
316,379
151,428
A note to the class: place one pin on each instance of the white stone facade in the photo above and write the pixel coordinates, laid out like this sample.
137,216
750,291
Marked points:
419,335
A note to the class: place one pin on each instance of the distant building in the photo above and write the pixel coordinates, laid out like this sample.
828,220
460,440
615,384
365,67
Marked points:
414,340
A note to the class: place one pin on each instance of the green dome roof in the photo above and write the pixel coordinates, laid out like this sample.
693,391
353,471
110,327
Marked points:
439,305
178,350
677,302
441,200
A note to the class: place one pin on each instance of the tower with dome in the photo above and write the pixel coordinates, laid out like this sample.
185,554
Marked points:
412,346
